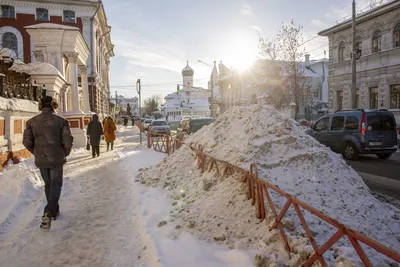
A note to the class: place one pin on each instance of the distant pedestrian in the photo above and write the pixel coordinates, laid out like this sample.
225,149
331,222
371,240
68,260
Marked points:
48,137
109,130
125,121
133,121
166,117
94,132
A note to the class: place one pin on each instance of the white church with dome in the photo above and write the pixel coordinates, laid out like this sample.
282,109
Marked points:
189,100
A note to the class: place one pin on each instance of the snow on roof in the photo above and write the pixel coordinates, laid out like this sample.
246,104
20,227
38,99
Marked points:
51,26
41,68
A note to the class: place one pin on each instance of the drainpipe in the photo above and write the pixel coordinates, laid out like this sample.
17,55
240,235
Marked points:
92,39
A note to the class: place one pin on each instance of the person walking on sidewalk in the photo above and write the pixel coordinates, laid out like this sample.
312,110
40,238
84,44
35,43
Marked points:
94,132
48,137
109,130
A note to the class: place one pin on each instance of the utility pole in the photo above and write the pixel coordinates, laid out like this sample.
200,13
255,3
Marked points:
353,61
139,91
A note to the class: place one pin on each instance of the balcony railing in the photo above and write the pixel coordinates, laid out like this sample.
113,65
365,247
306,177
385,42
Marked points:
21,91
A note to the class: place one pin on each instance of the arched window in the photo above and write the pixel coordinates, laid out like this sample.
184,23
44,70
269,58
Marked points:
341,51
359,44
397,36
376,42
10,41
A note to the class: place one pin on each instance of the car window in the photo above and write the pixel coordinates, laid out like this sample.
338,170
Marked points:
159,123
147,121
380,123
351,123
322,125
337,123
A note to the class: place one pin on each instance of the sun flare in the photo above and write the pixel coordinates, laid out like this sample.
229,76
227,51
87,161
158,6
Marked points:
242,54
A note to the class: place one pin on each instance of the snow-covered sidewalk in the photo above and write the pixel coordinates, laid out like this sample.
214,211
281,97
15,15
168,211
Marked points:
107,219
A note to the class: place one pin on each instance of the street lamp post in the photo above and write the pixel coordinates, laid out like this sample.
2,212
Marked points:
212,87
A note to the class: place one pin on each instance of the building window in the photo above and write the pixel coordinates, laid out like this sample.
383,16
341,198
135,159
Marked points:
7,12
339,100
341,51
42,14
397,36
395,96
373,98
359,44
69,16
10,41
376,42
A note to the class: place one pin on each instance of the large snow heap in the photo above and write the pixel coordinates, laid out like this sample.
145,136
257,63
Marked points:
217,207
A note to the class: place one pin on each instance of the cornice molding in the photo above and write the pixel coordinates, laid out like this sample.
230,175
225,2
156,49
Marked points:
72,6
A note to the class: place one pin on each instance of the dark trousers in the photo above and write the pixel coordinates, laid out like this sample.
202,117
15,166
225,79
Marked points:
53,180
112,145
95,151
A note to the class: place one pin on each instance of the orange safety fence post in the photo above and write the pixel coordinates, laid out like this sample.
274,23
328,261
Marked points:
168,144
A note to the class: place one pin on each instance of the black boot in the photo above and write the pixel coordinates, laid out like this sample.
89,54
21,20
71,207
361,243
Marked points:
46,221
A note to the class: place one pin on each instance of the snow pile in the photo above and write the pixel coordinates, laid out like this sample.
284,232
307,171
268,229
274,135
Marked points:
20,186
216,207
15,104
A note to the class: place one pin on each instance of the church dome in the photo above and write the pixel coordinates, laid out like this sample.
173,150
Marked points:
187,71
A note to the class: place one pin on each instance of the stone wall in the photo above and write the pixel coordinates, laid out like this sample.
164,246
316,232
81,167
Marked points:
14,113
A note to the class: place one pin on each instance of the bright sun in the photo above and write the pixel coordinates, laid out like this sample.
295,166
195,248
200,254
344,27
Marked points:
242,54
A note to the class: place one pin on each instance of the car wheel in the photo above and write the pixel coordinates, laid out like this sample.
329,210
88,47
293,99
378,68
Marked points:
384,155
349,151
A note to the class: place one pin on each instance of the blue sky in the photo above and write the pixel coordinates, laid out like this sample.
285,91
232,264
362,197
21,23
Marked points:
154,38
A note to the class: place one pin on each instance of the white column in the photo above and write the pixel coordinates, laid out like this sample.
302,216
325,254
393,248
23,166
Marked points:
73,80
85,89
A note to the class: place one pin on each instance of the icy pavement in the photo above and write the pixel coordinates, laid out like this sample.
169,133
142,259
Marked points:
107,219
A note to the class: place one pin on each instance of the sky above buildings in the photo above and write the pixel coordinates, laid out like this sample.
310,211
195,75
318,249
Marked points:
154,38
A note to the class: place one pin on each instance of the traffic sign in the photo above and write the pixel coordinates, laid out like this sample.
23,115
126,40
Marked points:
117,109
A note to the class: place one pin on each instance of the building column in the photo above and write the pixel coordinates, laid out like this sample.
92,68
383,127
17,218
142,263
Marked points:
85,89
73,80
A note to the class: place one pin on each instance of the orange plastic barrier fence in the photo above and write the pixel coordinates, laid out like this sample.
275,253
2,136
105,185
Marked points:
258,189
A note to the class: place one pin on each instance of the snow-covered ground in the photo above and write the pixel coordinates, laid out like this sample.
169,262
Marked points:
107,218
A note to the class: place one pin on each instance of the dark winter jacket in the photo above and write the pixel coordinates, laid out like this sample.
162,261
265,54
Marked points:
95,131
48,137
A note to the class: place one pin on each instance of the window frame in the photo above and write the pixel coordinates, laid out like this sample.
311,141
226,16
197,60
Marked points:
396,33
377,97
37,14
12,9
319,121
359,44
377,36
343,123
341,49
395,89
15,41
351,130
68,16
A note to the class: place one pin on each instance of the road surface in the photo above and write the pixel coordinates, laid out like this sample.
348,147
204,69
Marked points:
382,176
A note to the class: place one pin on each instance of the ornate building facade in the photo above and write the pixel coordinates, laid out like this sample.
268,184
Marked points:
65,47
378,68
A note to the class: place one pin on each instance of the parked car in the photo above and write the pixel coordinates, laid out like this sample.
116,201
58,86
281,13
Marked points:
159,127
146,124
354,132
192,125
396,114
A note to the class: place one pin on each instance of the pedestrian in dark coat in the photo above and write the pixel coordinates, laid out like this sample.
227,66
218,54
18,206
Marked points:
48,137
94,132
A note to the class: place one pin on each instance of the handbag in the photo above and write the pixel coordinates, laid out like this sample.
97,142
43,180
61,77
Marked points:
87,145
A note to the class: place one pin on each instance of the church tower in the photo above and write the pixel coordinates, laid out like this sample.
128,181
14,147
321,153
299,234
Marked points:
187,74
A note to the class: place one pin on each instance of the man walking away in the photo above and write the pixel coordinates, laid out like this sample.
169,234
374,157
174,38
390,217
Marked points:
95,131
48,137
109,129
